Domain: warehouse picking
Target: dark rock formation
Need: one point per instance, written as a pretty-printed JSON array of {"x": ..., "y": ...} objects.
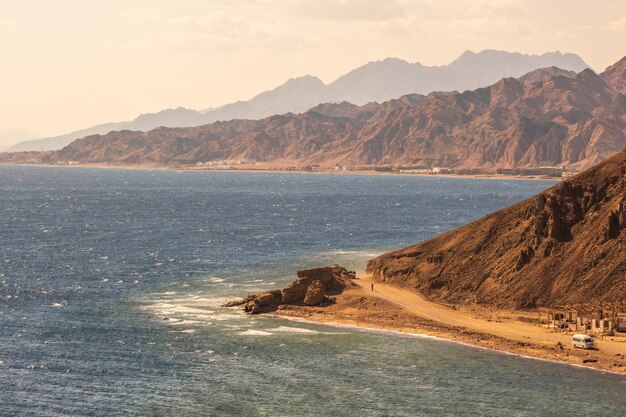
[
  {"x": 612, "y": 228},
  {"x": 621, "y": 212},
  {"x": 310, "y": 288}
]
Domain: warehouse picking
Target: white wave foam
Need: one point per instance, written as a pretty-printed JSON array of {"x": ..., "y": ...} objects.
[
  {"x": 255, "y": 333},
  {"x": 171, "y": 320},
  {"x": 216, "y": 279},
  {"x": 287, "y": 329},
  {"x": 183, "y": 322},
  {"x": 204, "y": 301},
  {"x": 216, "y": 302},
  {"x": 181, "y": 311},
  {"x": 225, "y": 317},
  {"x": 365, "y": 253}
]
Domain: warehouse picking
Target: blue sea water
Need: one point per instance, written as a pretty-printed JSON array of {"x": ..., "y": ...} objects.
[{"x": 111, "y": 283}]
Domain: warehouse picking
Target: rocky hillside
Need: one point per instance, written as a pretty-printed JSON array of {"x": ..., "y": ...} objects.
[
  {"x": 564, "y": 246},
  {"x": 556, "y": 120},
  {"x": 615, "y": 76},
  {"x": 374, "y": 81},
  {"x": 543, "y": 73}
]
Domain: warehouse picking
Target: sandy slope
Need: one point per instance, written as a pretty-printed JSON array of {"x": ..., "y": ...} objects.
[
  {"x": 415, "y": 303},
  {"x": 392, "y": 308}
]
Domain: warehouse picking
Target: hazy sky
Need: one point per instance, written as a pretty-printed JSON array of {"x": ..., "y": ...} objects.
[{"x": 69, "y": 64}]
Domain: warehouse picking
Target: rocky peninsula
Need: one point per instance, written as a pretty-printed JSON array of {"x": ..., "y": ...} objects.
[{"x": 485, "y": 283}]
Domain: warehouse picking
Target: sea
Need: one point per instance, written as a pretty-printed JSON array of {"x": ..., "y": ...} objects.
[{"x": 112, "y": 281}]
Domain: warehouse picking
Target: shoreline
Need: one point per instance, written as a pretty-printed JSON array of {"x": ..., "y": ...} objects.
[
  {"x": 284, "y": 171},
  {"x": 427, "y": 336},
  {"x": 506, "y": 332}
]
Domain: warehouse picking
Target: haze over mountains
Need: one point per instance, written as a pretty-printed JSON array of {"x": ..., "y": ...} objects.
[
  {"x": 375, "y": 81},
  {"x": 555, "y": 121},
  {"x": 10, "y": 137}
]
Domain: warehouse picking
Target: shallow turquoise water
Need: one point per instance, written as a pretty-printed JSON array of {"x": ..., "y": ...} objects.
[{"x": 111, "y": 281}]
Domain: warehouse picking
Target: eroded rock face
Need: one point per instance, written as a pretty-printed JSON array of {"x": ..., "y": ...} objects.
[
  {"x": 622, "y": 214},
  {"x": 315, "y": 293},
  {"x": 612, "y": 228},
  {"x": 564, "y": 246},
  {"x": 297, "y": 290},
  {"x": 310, "y": 288}
]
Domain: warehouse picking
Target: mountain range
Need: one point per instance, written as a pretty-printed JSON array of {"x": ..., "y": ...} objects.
[
  {"x": 374, "y": 82},
  {"x": 562, "y": 247},
  {"x": 549, "y": 120}
]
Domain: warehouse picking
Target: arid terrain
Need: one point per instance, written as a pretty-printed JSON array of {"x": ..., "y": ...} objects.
[
  {"x": 375, "y": 81},
  {"x": 564, "y": 246},
  {"x": 485, "y": 283},
  {"x": 546, "y": 118},
  {"x": 390, "y": 308},
  {"x": 336, "y": 296}
]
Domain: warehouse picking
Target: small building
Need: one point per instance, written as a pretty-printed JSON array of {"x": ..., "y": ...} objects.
[
  {"x": 507, "y": 171},
  {"x": 601, "y": 318},
  {"x": 414, "y": 171}
]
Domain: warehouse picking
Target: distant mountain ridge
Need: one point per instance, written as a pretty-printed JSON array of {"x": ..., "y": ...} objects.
[
  {"x": 556, "y": 121},
  {"x": 376, "y": 81}
]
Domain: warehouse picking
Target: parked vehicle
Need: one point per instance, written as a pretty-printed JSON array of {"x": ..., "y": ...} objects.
[{"x": 583, "y": 341}]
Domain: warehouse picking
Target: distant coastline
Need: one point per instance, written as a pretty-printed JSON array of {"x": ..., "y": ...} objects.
[{"x": 267, "y": 169}]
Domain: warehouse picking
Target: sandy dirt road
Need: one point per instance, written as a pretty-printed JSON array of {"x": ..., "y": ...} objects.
[{"x": 417, "y": 304}]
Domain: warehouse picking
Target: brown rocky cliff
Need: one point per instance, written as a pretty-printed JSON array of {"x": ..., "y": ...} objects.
[{"x": 566, "y": 245}]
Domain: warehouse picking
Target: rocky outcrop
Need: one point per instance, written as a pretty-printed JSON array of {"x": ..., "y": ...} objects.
[
  {"x": 314, "y": 293},
  {"x": 564, "y": 246},
  {"x": 263, "y": 302},
  {"x": 553, "y": 120},
  {"x": 311, "y": 288}
]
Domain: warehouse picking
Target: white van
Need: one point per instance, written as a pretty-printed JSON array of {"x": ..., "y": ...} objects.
[{"x": 583, "y": 341}]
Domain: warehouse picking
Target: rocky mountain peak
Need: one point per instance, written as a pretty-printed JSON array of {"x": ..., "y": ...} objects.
[{"x": 615, "y": 76}]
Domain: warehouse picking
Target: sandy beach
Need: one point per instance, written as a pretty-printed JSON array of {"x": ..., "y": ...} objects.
[{"x": 395, "y": 309}]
